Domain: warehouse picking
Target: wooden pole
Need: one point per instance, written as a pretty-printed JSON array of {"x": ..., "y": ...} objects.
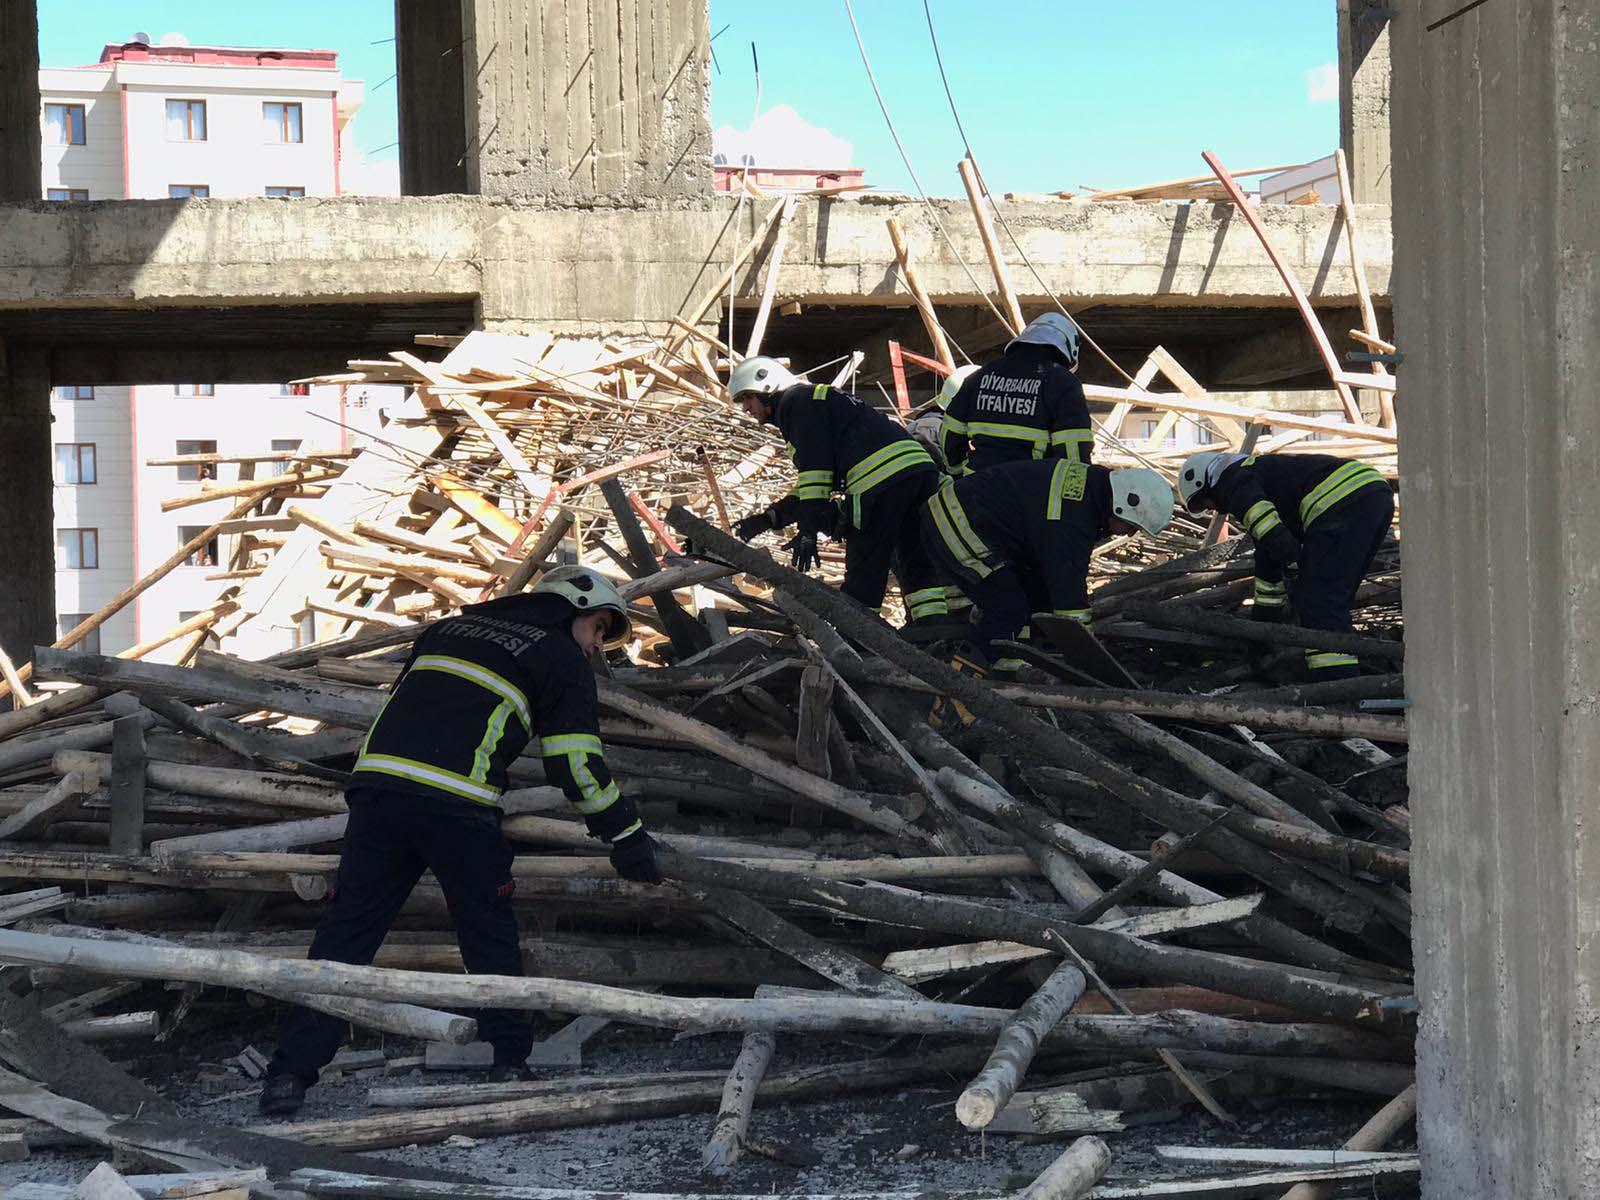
[
  {"x": 1385, "y": 1123},
  {"x": 991, "y": 245},
  {"x": 1018, "y": 1042},
  {"x": 770, "y": 288},
  {"x": 930, "y": 320},
  {"x": 1073, "y": 1175},
  {"x": 127, "y": 785},
  {"x": 1319, "y": 336},
  {"x": 726, "y": 1143}
]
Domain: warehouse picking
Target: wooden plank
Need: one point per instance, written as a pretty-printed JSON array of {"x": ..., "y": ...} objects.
[
  {"x": 1318, "y": 335},
  {"x": 816, "y": 719},
  {"x": 770, "y": 288},
  {"x": 908, "y": 272},
  {"x": 127, "y": 785},
  {"x": 991, "y": 245},
  {"x": 60, "y": 803},
  {"x": 1211, "y": 408}
]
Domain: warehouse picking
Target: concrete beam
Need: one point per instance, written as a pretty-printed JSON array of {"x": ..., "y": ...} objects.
[
  {"x": 27, "y": 544},
  {"x": 1498, "y": 274},
  {"x": 1364, "y": 86},
  {"x": 608, "y": 267},
  {"x": 430, "y": 78},
  {"x": 19, "y": 101}
]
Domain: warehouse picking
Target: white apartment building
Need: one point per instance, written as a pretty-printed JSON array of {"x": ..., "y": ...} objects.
[{"x": 181, "y": 123}]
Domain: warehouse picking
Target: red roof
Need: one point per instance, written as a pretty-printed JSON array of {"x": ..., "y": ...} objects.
[{"x": 220, "y": 56}]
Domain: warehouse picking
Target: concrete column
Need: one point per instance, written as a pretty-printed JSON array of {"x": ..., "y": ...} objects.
[
  {"x": 1497, "y": 308},
  {"x": 432, "y": 80},
  {"x": 27, "y": 543},
  {"x": 19, "y": 101},
  {"x": 576, "y": 99},
  {"x": 1364, "y": 95}
]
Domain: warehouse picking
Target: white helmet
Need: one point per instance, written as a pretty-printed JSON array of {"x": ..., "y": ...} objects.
[
  {"x": 760, "y": 374},
  {"x": 952, "y": 384},
  {"x": 1192, "y": 476},
  {"x": 586, "y": 590},
  {"x": 1055, "y": 330},
  {"x": 1142, "y": 496}
]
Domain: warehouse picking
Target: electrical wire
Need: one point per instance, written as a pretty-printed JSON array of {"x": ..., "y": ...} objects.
[
  {"x": 927, "y": 10},
  {"x": 910, "y": 170},
  {"x": 744, "y": 189}
]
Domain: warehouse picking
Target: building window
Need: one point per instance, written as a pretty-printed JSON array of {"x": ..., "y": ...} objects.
[
  {"x": 1203, "y": 436},
  {"x": 75, "y": 462},
  {"x": 204, "y": 555},
  {"x": 67, "y": 622},
  {"x": 186, "y": 120},
  {"x": 66, "y": 193},
  {"x": 188, "y": 191},
  {"x": 193, "y": 472},
  {"x": 72, "y": 391},
  {"x": 279, "y": 466},
  {"x": 282, "y": 122},
  {"x": 63, "y": 124},
  {"x": 285, "y": 193},
  {"x": 78, "y": 549},
  {"x": 194, "y": 389}
]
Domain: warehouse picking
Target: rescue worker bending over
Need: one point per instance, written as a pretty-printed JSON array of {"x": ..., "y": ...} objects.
[
  {"x": 1018, "y": 539},
  {"x": 839, "y": 444},
  {"x": 477, "y": 689},
  {"x": 1027, "y": 404},
  {"x": 1316, "y": 521}
]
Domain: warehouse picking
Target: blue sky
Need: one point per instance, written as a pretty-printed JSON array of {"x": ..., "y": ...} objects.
[{"x": 1054, "y": 94}]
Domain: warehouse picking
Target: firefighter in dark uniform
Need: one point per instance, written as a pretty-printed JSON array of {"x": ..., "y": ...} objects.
[
  {"x": 839, "y": 444},
  {"x": 1018, "y": 538},
  {"x": 1027, "y": 404},
  {"x": 1316, "y": 521},
  {"x": 475, "y": 692}
]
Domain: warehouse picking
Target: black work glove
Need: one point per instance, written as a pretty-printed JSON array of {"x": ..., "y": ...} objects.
[
  {"x": 1279, "y": 547},
  {"x": 634, "y": 857},
  {"x": 754, "y": 525},
  {"x": 803, "y": 549}
]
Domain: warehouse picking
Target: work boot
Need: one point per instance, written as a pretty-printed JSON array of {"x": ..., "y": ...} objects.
[
  {"x": 510, "y": 1073},
  {"x": 281, "y": 1096},
  {"x": 949, "y": 713}
]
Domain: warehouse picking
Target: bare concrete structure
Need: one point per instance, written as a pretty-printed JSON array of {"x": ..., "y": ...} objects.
[
  {"x": 1497, "y": 234},
  {"x": 1364, "y": 85}
]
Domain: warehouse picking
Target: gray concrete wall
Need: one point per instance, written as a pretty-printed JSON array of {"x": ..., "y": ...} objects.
[
  {"x": 1364, "y": 87},
  {"x": 605, "y": 268},
  {"x": 27, "y": 552},
  {"x": 584, "y": 98},
  {"x": 430, "y": 79},
  {"x": 1497, "y": 234},
  {"x": 19, "y": 100}
]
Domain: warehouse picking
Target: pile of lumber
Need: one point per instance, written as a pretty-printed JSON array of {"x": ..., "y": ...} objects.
[{"x": 1100, "y": 901}]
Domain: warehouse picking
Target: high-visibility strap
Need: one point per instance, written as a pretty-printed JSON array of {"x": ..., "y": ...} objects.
[
  {"x": 1068, "y": 481},
  {"x": 427, "y": 773},
  {"x": 1080, "y": 615},
  {"x": 951, "y": 425},
  {"x": 926, "y": 602},
  {"x": 1319, "y": 660},
  {"x": 1351, "y": 477},
  {"x": 1007, "y": 666},
  {"x": 1261, "y": 518},
  {"x": 820, "y": 392},
  {"x": 813, "y": 485},
  {"x": 1269, "y": 594},
  {"x": 483, "y": 677},
  {"x": 483, "y": 756},
  {"x": 1039, "y": 439},
  {"x": 950, "y": 519},
  {"x": 576, "y": 749},
  {"x": 884, "y": 464},
  {"x": 1068, "y": 437}
]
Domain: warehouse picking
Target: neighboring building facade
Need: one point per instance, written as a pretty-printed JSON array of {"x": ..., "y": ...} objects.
[{"x": 180, "y": 122}]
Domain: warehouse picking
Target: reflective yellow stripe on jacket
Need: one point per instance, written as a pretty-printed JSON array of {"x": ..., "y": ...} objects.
[
  {"x": 883, "y": 464},
  {"x": 576, "y": 749},
  {"x": 484, "y": 678},
  {"x": 1351, "y": 477},
  {"x": 950, "y": 519},
  {"x": 430, "y": 774}
]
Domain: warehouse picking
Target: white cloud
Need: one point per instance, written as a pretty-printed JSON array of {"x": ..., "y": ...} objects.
[
  {"x": 1322, "y": 84},
  {"x": 781, "y": 137}
]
